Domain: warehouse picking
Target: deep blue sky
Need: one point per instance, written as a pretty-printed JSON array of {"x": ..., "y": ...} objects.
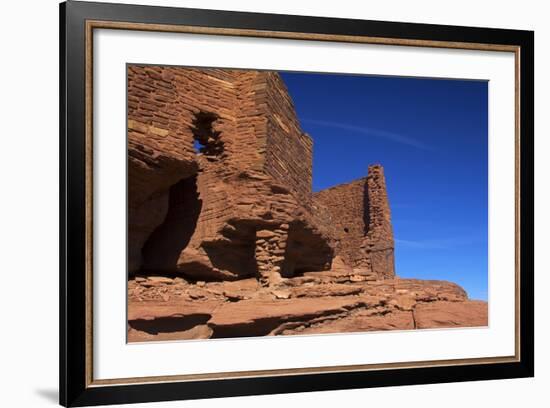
[{"x": 431, "y": 137}]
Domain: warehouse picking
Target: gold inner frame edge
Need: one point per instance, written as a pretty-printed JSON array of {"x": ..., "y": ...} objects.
[{"x": 92, "y": 24}]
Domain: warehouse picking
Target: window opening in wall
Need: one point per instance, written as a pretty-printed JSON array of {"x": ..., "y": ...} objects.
[{"x": 206, "y": 139}]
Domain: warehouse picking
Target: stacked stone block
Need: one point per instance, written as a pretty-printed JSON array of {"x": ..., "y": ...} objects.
[
  {"x": 361, "y": 215},
  {"x": 378, "y": 243}
]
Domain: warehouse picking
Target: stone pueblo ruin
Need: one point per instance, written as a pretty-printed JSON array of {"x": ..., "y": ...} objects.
[{"x": 226, "y": 237}]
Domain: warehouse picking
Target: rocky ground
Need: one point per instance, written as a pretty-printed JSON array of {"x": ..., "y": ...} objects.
[{"x": 162, "y": 308}]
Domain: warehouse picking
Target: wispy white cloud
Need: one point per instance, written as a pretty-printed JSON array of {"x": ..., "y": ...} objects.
[
  {"x": 404, "y": 205},
  {"x": 394, "y": 137},
  {"x": 422, "y": 244},
  {"x": 440, "y": 243}
]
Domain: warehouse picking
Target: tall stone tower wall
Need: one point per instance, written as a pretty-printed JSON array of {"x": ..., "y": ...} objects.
[
  {"x": 361, "y": 215},
  {"x": 347, "y": 205},
  {"x": 289, "y": 150},
  {"x": 379, "y": 243},
  {"x": 167, "y": 107}
]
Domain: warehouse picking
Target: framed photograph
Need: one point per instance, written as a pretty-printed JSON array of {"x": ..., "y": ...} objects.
[{"x": 256, "y": 204}]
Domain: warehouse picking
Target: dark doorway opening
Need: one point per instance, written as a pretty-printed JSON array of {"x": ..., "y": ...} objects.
[{"x": 164, "y": 246}]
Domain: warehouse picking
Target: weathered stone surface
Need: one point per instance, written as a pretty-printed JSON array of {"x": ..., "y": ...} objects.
[
  {"x": 451, "y": 314},
  {"x": 334, "y": 289},
  {"x": 365, "y": 320},
  {"x": 183, "y": 310},
  {"x": 360, "y": 214}
]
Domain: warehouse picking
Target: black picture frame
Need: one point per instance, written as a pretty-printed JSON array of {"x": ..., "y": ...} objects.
[{"x": 76, "y": 389}]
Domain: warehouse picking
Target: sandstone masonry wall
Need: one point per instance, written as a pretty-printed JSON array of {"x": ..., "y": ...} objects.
[
  {"x": 220, "y": 177},
  {"x": 163, "y": 104},
  {"x": 361, "y": 213},
  {"x": 379, "y": 243},
  {"x": 289, "y": 150},
  {"x": 348, "y": 208}
]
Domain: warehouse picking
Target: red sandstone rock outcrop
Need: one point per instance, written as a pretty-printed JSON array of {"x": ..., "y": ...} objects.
[
  {"x": 325, "y": 302},
  {"x": 226, "y": 238}
]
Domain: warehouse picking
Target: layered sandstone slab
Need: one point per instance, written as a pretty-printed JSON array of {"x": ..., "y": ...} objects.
[
  {"x": 451, "y": 314},
  {"x": 176, "y": 309}
]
